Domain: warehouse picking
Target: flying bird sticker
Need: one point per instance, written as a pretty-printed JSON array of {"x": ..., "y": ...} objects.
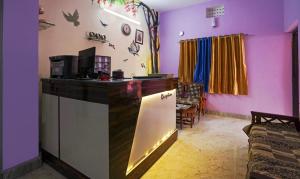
[
  {"x": 112, "y": 46},
  {"x": 143, "y": 65},
  {"x": 72, "y": 18},
  {"x": 134, "y": 49},
  {"x": 103, "y": 24}
]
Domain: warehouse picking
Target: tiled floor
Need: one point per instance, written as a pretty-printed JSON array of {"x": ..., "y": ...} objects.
[
  {"x": 215, "y": 148},
  {"x": 45, "y": 172}
]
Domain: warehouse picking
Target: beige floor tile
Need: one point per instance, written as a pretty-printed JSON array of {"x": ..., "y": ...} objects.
[{"x": 215, "y": 148}]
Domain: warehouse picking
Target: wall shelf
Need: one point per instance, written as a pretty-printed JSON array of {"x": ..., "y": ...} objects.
[{"x": 97, "y": 39}]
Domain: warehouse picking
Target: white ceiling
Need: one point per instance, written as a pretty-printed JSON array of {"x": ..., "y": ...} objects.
[{"x": 165, "y": 5}]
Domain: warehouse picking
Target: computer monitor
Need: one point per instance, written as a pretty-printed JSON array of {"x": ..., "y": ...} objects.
[{"x": 86, "y": 62}]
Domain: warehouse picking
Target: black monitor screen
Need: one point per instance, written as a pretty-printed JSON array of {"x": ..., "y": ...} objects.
[{"x": 86, "y": 62}]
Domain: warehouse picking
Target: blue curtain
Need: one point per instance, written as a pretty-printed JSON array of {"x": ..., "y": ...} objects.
[{"x": 202, "y": 70}]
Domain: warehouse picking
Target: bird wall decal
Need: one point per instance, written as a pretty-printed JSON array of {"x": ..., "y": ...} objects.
[
  {"x": 112, "y": 46},
  {"x": 72, "y": 18},
  {"x": 134, "y": 48},
  {"x": 103, "y": 24}
]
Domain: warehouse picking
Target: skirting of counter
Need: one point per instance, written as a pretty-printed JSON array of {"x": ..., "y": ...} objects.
[{"x": 137, "y": 132}]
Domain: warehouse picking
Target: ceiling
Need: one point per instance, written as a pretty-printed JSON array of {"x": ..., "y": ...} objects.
[{"x": 165, "y": 5}]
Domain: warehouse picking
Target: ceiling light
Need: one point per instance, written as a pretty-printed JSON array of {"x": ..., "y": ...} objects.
[{"x": 122, "y": 16}]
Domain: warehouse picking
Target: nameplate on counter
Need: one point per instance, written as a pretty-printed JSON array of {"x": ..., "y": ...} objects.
[{"x": 165, "y": 96}]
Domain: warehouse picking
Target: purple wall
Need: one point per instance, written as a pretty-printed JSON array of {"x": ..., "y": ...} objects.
[
  {"x": 269, "y": 78},
  {"x": 268, "y": 50},
  {"x": 291, "y": 14},
  {"x": 20, "y": 82}
]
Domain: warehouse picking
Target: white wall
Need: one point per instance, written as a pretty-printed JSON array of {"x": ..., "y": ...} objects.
[{"x": 66, "y": 39}]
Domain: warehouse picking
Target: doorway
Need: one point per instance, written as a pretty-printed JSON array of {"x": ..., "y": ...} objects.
[{"x": 295, "y": 73}]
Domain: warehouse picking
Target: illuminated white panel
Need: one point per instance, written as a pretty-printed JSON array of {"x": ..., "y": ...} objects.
[{"x": 156, "y": 122}]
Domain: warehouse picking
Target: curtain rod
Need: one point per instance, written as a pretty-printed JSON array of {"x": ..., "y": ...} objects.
[{"x": 213, "y": 36}]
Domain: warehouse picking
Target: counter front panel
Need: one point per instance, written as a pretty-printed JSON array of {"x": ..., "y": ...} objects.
[{"x": 136, "y": 109}]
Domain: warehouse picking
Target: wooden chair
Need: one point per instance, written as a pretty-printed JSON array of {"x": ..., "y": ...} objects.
[
  {"x": 192, "y": 94},
  {"x": 185, "y": 115},
  {"x": 203, "y": 104}
]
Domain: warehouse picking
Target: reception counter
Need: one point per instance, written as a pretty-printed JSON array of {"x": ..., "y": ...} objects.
[{"x": 112, "y": 129}]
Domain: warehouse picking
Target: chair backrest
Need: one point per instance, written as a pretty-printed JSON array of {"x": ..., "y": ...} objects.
[
  {"x": 195, "y": 90},
  {"x": 181, "y": 90}
]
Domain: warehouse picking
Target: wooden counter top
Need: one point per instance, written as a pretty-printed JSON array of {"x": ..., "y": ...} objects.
[{"x": 106, "y": 92}]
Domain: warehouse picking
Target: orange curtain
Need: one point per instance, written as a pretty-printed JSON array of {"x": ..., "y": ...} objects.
[
  {"x": 187, "y": 61},
  {"x": 228, "y": 73}
]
